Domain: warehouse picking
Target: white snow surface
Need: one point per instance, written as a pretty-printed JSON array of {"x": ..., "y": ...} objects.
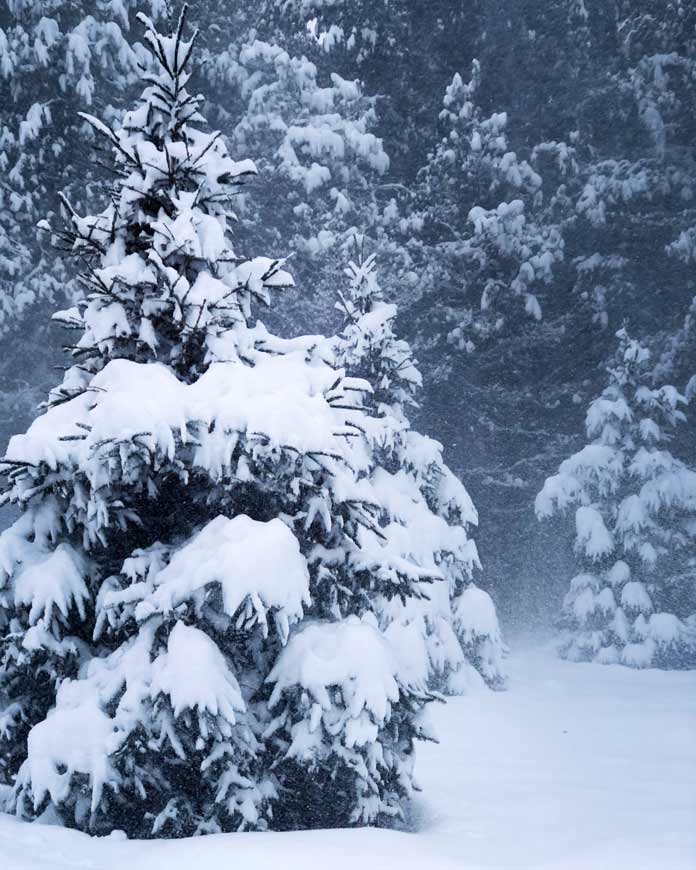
[
  {"x": 193, "y": 673},
  {"x": 351, "y": 654},
  {"x": 281, "y": 397},
  {"x": 250, "y": 559},
  {"x": 575, "y": 767}
]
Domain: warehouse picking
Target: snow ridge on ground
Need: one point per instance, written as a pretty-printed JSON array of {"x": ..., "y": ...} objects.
[{"x": 576, "y": 767}]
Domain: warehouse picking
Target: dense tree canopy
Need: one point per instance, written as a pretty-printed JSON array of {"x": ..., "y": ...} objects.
[{"x": 556, "y": 183}]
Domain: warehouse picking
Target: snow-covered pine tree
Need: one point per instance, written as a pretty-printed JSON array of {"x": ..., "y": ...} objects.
[
  {"x": 634, "y": 599},
  {"x": 313, "y": 136},
  {"x": 484, "y": 211},
  {"x": 56, "y": 57},
  {"x": 189, "y": 600},
  {"x": 86, "y": 50},
  {"x": 635, "y": 205},
  {"x": 678, "y": 354},
  {"x": 451, "y": 634}
]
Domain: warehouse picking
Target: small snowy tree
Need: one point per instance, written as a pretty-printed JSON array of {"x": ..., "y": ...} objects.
[
  {"x": 633, "y": 600},
  {"x": 451, "y": 632},
  {"x": 189, "y": 601}
]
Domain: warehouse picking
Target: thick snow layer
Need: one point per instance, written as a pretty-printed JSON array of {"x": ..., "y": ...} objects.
[
  {"x": 474, "y": 614},
  {"x": 251, "y": 560},
  {"x": 193, "y": 672},
  {"x": 593, "y": 537},
  {"x": 70, "y": 741},
  {"x": 56, "y": 581},
  {"x": 576, "y": 767},
  {"x": 34, "y": 847},
  {"x": 280, "y": 397},
  {"x": 352, "y": 655}
]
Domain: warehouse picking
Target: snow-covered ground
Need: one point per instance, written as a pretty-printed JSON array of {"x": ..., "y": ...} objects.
[{"x": 576, "y": 767}]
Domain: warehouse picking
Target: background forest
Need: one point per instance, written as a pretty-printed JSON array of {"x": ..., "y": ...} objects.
[{"x": 524, "y": 171}]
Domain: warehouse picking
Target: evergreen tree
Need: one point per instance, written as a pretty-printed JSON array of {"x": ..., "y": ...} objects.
[
  {"x": 678, "y": 357},
  {"x": 313, "y": 134},
  {"x": 191, "y": 597},
  {"x": 56, "y": 57},
  {"x": 382, "y": 43},
  {"x": 454, "y": 623},
  {"x": 484, "y": 213},
  {"x": 634, "y": 600},
  {"x": 635, "y": 205}
]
